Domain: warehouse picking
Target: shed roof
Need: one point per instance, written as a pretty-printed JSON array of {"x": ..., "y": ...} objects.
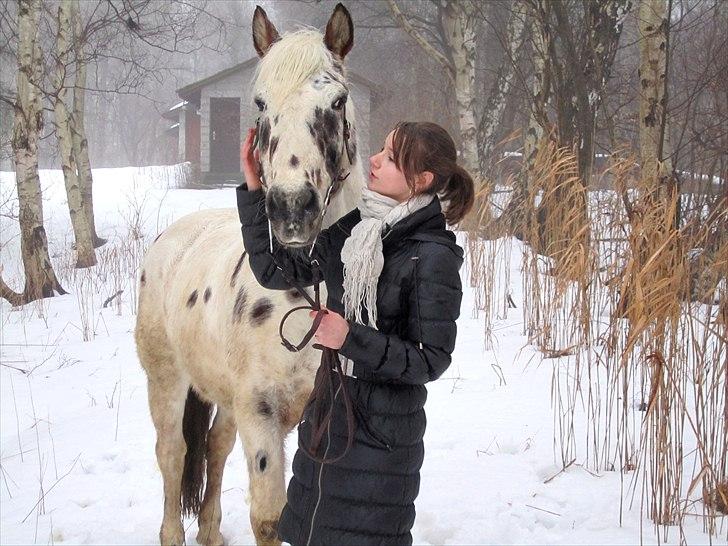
[{"x": 191, "y": 92}]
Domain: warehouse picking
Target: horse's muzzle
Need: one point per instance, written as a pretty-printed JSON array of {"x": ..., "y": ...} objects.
[{"x": 293, "y": 215}]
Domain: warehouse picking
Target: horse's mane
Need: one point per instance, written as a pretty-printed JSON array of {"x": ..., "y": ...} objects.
[{"x": 290, "y": 62}]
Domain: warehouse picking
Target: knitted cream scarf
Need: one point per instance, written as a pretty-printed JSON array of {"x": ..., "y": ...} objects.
[{"x": 362, "y": 251}]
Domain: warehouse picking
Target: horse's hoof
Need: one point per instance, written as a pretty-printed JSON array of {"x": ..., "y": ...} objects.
[
  {"x": 174, "y": 536},
  {"x": 210, "y": 538},
  {"x": 266, "y": 533}
]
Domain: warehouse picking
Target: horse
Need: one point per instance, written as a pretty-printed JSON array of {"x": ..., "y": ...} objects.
[{"x": 207, "y": 332}]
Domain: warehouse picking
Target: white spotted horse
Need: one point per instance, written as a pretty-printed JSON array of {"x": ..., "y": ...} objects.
[{"x": 207, "y": 333}]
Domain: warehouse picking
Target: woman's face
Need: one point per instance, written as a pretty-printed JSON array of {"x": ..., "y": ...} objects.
[{"x": 384, "y": 176}]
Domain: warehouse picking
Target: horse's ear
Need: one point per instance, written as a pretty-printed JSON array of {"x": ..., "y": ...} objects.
[
  {"x": 264, "y": 32},
  {"x": 339, "y": 35}
]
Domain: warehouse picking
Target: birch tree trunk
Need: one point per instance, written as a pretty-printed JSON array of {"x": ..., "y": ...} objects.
[
  {"x": 40, "y": 278},
  {"x": 80, "y": 143},
  {"x": 537, "y": 119},
  {"x": 85, "y": 255},
  {"x": 459, "y": 24},
  {"x": 497, "y": 98},
  {"x": 654, "y": 138},
  {"x": 581, "y": 65}
]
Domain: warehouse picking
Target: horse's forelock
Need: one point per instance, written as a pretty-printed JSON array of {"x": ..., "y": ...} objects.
[{"x": 290, "y": 62}]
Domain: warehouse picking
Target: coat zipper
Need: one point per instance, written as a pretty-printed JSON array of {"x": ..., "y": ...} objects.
[
  {"x": 321, "y": 472},
  {"x": 416, "y": 259}
]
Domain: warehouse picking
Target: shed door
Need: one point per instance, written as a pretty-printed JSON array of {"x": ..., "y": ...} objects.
[{"x": 225, "y": 135}]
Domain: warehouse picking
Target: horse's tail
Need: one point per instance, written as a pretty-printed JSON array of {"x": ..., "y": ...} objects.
[{"x": 195, "y": 426}]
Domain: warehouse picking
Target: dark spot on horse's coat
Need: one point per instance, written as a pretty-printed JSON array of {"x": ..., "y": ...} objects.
[
  {"x": 293, "y": 295},
  {"x": 207, "y": 294},
  {"x": 331, "y": 156},
  {"x": 264, "y": 135},
  {"x": 237, "y": 269},
  {"x": 261, "y": 460},
  {"x": 192, "y": 300},
  {"x": 264, "y": 407},
  {"x": 294, "y": 161},
  {"x": 143, "y": 279},
  {"x": 239, "y": 306},
  {"x": 325, "y": 129},
  {"x": 262, "y": 310},
  {"x": 284, "y": 415},
  {"x": 273, "y": 147},
  {"x": 331, "y": 124},
  {"x": 275, "y": 120}
]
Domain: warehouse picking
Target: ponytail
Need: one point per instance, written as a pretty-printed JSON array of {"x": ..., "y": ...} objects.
[{"x": 458, "y": 195}]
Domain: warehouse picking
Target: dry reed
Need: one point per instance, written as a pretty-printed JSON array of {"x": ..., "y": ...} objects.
[{"x": 625, "y": 291}]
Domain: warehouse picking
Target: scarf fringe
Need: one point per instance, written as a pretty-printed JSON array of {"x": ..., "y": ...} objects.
[{"x": 362, "y": 253}]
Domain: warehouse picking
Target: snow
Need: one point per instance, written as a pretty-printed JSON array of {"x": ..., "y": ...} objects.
[
  {"x": 76, "y": 432},
  {"x": 178, "y": 105}
]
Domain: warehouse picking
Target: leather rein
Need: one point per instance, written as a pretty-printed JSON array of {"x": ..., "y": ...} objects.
[{"x": 323, "y": 394}]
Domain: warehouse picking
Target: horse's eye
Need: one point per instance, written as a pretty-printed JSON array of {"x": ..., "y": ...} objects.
[
  {"x": 260, "y": 103},
  {"x": 339, "y": 103}
]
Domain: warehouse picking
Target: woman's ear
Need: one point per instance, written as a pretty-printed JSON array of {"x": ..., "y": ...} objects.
[{"x": 424, "y": 181}]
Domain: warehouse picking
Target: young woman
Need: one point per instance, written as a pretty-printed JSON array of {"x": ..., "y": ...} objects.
[{"x": 391, "y": 271}]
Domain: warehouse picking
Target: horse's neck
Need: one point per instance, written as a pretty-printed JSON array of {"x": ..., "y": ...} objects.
[{"x": 348, "y": 198}]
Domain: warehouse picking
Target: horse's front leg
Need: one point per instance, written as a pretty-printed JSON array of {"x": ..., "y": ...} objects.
[{"x": 262, "y": 435}]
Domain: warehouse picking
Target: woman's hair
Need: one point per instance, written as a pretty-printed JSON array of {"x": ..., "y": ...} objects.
[{"x": 423, "y": 146}]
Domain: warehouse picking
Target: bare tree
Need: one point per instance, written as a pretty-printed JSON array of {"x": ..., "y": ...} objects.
[
  {"x": 584, "y": 39},
  {"x": 40, "y": 278},
  {"x": 456, "y": 54},
  {"x": 65, "y": 45},
  {"x": 654, "y": 137},
  {"x": 78, "y": 127},
  {"x": 495, "y": 105}
]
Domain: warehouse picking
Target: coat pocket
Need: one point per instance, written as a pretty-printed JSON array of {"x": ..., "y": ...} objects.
[{"x": 370, "y": 432}]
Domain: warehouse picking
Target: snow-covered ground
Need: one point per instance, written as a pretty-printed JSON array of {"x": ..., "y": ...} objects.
[{"x": 77, "y": 463}]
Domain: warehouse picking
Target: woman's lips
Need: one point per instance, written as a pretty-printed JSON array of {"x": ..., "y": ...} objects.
[{"x": 371, "y": 176}]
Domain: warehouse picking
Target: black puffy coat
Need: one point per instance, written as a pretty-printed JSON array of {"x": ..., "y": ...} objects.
[{"x": 368, "y": 496}]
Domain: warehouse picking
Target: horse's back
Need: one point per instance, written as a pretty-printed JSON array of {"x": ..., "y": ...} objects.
[{"x": 186, "y": 285}]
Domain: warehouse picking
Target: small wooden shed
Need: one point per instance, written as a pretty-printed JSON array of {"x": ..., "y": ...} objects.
[{"x": 214, "y": 113}]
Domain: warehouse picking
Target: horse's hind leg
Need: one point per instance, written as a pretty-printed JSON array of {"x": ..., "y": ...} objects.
[
  {"x": 167, "y": 396},
  {"x": 220, "y": 443}
]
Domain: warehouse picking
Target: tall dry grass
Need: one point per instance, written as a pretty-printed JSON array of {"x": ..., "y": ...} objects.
[{"x": 624, "y": 290}]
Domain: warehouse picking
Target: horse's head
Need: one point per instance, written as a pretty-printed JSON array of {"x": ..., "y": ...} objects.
[{"x": 305, "y": 131}]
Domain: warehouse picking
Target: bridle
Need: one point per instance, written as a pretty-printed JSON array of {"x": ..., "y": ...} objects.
[
  {"x": 322, "y": 395},
  {"x": 336, "y": 181}
]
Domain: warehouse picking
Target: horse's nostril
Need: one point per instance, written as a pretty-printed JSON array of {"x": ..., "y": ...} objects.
[
  {"x": 311, "y": 198},
  {"x": 305, "y": 199}
]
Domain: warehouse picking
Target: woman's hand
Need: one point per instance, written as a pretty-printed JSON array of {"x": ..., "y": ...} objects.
[
  {"x": 249, "y": 160},
  {"x": 332, "y": 329}
]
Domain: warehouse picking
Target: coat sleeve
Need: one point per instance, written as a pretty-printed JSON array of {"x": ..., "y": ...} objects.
[
  {"x": 424, "y": 352},
  {"x": 254, "y": 227}
]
